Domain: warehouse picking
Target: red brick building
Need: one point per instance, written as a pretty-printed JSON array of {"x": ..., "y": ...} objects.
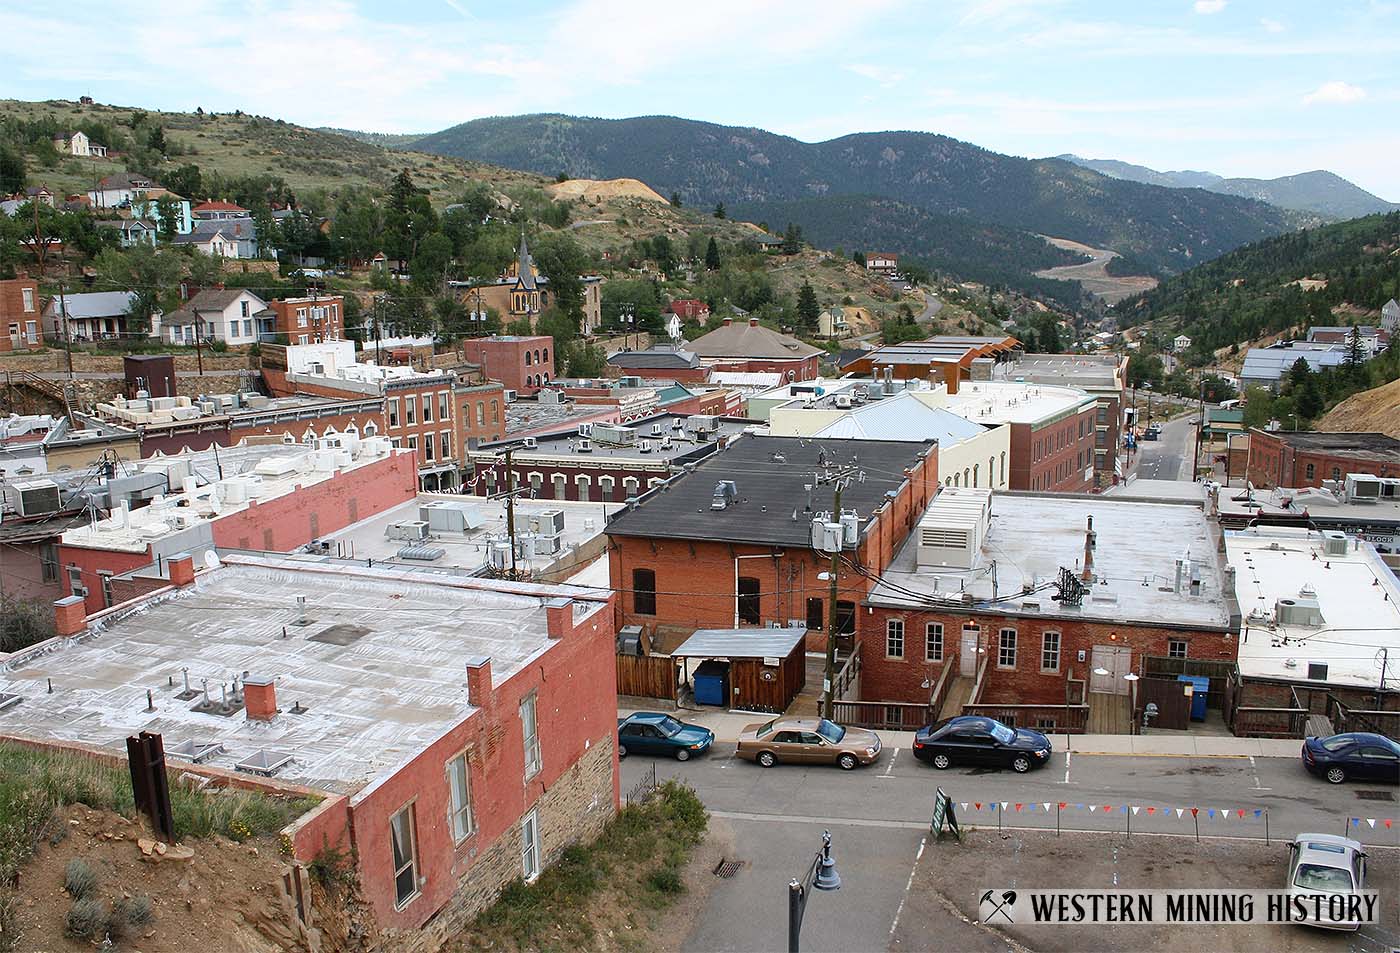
[
  {"x": 979, "y": 595},
  {"x": 521, "y": 363},
  {"x": 507, "y": 757},
  {"x": 1295, "y": 459},
  {"x": 277, "y": 508},
  {"x": 1054, "y": 431},
  {"x": 690, "y": 309},
  {"x": 311, "y": 320},
  {"x": 749, "y": 346},
  {"x": 729, "y": 544},
  {"x": 21, "y": 315}
]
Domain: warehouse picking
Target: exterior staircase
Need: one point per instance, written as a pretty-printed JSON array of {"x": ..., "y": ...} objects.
[
  {"x": 1109, "y": 714},
  {"x": 959, "y": 694}
]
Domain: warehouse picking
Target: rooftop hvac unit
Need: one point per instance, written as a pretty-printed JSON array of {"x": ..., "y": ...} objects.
[
  {"x": 548, "y": 396},
  {"x": 1302, "y": 609},
  {"x": 584, "y": 445},
  {"x": 702, "y": 423},
  {"x": 1362, "y": 488},
  {"x": 422, "y": 554},
  {"x": 1390, "y": 488},
  {"x": 531, "y": 443},
  {"x": 585, "y": 430},
  {"x": 656, "y": 428},
  {"x": 614, "y": 434},
  {"x": 511, "y": 396},
  {"x": 33, "y": 497},
  {"x": 1334, "y": 543},
  {"x": 547, "y": 522},
  {"x": 452, "y": 516},
  {"x": 843, "y": 401},
  {"x": 645, "y": 446},
  {"x": 408, "y": 530},
  {"x": 629, "y": 382},
  {"x": 726, "y": 494},
  {"x": 629, "y": 640}
]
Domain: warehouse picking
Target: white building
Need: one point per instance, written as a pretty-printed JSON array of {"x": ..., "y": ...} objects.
[
  {"x": 229, "y": 315},
  {"x": 78, "y": 144},
  {"x": 213, "y": 243},
  {"x": 1180, "y": 343}
]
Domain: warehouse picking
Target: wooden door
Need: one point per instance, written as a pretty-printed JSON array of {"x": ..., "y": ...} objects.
[
  {"x": 967, "y": 652},
  {"x": 1115, "y": 661}
]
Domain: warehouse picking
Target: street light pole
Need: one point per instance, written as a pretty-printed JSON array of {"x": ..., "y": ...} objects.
[{"x": 822, "y": 875}]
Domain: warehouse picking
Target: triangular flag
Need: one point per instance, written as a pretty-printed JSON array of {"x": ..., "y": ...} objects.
[
  {"x": 1387, "y": 823},
  {"x": 1030, "y": 806},
  {"x": 963, "y": 805},
  {"x": 1371, "y": 821},
  {"x": 1240, "y": 812},
  {"x": 1210, "y": 812},
  {"x": 979, "y": 804},
  {"x": 1003, "y": 805},
  {"x": 1224, "y": 813},
  {"x": 1046, "y": 805},
  {"x": 1180, "y": 811},
  {"x": 1136, "y": 809},
  {"x": 1091, "y": 808},
  {"x": 1355, "y": 822},
  {"x": 1107, "y": 808},
  {"x": 1063, "y": 805},
  {"x": 1151, "y": 810},
  {"x": 1018, "y": 807},
  {"x": 1124, "y": 809},
  {"x": 1079, "y": 807},
  {"x": 1257, "y": 812}
]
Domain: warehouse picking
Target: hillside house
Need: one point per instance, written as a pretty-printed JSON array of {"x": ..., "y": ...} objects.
[
  {"x": 215, "y": 243},
  {"x": 78, "y": 144},
  {"x": 215, "y": 314},
  {"x": 749, "y": 346},
  {"x": 690, "y": 309},
  {"x": 1390, "y": 317},
  {"x": 1180, "y": 343},
  {"x": 130, "y": 232},
  {"x": 883, "y": 263},
  {"x": 220, "y": 211},
  {"x": 119, "y": 189},
  {"x": 148, "y": 205},
  {"x": 97, "y": 316},
  {"x": 19, "y": 314}
]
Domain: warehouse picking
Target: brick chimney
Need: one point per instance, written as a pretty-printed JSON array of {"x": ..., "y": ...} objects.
[
  {"x": 479, "y": 681},
  {"x": 259, "y": 698},
  {"x": 728, "y": 322},
  {"x": 1090, "y": 541},
  {"x": 69, "y": 615},
  {"x": 753, "y": 322},
  {"x": 559, "y": 614},
  {"x": 181, "y": 569},
  {"x": 952, "y": 375}
]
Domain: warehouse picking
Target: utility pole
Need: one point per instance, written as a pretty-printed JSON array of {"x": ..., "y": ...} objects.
[
  {"x": 838, "y": 479},
  {"x": 63, "y": 312},
  {"x": 1200, "y": 426},
  {"x": 507, "y": 451}
]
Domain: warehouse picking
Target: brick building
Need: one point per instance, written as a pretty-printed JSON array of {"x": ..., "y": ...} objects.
[
  {"x": 729, "y": 544},
  {"x": 1054, "y": 431},
  {"x": 690, "y": 309},
  {"x": 979, "y": 594},
  {"x": 282, "y": 503},
  {"x": 21, "y": 315},
  {"x": 663, "y": 362},
  {"x": 1104, "y": 376},
  {"x": 311, "y": 320},
  {"x": 520, "y": 363},
  {"x": 505, "y": 756},
  {"x": 749, "y": 346},
  {"x": 600, "y": 462},
  {"x": 1302, "y": 458},
  {"x": 522, "y": 292}
]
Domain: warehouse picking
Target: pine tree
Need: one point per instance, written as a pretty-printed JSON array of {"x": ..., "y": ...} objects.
[
  {"x": 712, "y": 261},
  {"x": 808, "y": 310},
  {"x": 719, "y": 210},
  {"x": 675, "y": 200}
]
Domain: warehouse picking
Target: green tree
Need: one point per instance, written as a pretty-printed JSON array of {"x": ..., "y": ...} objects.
[
  {"x": 792, "y": 239},
  {"x": 858, "y": 257},
  {"x": 663, "y": 253},
  {"x": 1048, "y": 335},
  {"x": 168, "y": 214},
  {"x": 808, "y": 310},
  {"x": 675, "y": 200},
  {"x": 719, "y": 210},
  {"x": 432, "y": 263},
  {"x": 23, "y": 624},
  {"x": 186, "y": 181},
  {"x": 156, "y": 140},
  {"x": 712, "y": 259},
  {"x": 1144, "y": 369},
  {"x": 12, "y": 170},
  {"x": 563, "y": 261},
  {"x": 582, "y": 359}
]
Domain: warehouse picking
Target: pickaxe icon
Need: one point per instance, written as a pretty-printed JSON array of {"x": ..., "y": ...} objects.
[{"x": 1008, "y": 897}]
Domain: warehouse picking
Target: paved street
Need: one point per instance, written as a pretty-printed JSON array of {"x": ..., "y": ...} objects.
[
  {"x": 879, "y": 815},
  {"x": 1168, "y": 457}
]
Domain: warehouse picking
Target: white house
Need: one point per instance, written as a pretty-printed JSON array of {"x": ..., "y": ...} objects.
[
  {"x": 78, "y": 144},
  {"x": 1390, "y": 317},
  {"x": 119, "y": 189},
  {"x": 1180, "y": 343},
  {"x": 213, "y": 243},
  {"x": 96, "y": 316},
  {"x": 229, "y": 315},
  {"x": 831, "y": 323}
]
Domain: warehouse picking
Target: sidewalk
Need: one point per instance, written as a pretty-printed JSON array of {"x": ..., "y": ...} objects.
[{"x": 727, "y": 724}]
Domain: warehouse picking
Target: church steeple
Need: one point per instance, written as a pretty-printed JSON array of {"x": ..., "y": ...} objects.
[{"x": 525, "y": 265}]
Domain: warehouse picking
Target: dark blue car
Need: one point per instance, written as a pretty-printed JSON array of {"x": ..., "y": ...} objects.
[
  {"x": 1357, "y": 755},
  {"x": 651, "y": 732}
]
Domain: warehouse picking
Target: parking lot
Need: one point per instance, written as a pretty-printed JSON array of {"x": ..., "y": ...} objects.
[{"x": 893, "y": 899}]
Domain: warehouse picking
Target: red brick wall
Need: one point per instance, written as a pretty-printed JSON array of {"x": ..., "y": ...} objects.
[
  {"x": 1273, "y": 462},
  {"x": 12, "y": 311},
  {"x": 1054, "y": 457},
  {"x": 886, "y": 679},
  {"x": 398, "y": 427},
  {"x": 331, "y": 328},
  {"x": 504, "y": 360},
  {"x": 803, "y": 370},
  {"x": 92, "y": 562},
  {"x": 575, "y": 683}
]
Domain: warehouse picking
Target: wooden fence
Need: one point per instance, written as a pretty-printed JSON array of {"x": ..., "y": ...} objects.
[
  {"x": 1346, "y": 718},
  {"x": 647, "y": 676},
  {"x": 1173, "y": 705},
  {"x": 1052, "y": 718},
  {"x": 887, "y": 716},
  {"x": 1216, "y": 670}
]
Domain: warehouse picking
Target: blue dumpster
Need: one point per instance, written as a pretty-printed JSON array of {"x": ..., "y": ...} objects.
[
  {"x": 712, "y": 683},
  {"x": 1200, "y": 684}
]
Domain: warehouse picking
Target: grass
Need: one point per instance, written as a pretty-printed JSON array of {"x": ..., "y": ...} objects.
[
  {"x": 36, "y": 784},
  {"x": 637, "y": 860}
]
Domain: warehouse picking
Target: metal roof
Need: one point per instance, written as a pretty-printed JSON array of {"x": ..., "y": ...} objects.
[
  {"x": 903, "y": 417},
  {"x": 740, "y": 643}
]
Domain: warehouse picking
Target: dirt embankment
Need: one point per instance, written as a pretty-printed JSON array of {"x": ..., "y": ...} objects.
[
  {"x": 597, "y": 190},
  {"x": 1372, "y": 411},
  {"x": 1093, "y": 274}
]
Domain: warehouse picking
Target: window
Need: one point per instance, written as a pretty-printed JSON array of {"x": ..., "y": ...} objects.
[
  {"x": 410, "y": 410},
  {"x": 629, "y": 487},
  {"x": 1006, "y": 649},
  {"x": 243, "y": 309},
  {"x": 976, "y": 473},
  {"x": 582, "y": 484},
  {"x": 748, "y": 604},
  {"x": 933, "y": 642},
  {"x": 1336, "y": 473},
  {"x": 1003, "y": 468},
  {"x": 1050, "y": 652},
  {"x": 495, "y": 412},
  {"x": 536, "y": 481},
  {"x": 427, "y": 408},
  {"x": 413, "y": 442},
  {"x": 28, "y": 294},
  {"x": 560, "y": 486},
  {"x": 530, "y": 729},
  {"x": 1176, "y": 648},
  {"x": 894, "y": 638},
  {"x": 248, "y": 328},
  {"x": 48, "y": 560},
  {"x": 303, "y": 339},
  {"x": 605, "y": 489},
  {"x": 446, "y": 437},
  {"x": 301, "y": 317},
  {"x": 233, "y": 329},
  {"x": 107, "y": 597},
  {"x": 816, "y": 610},
  {"x": 1311, "y": 471},
  {"x": 404, "y": 836},
  {"x": 444, "y": 405},
  {"x": 845, "y": 618},
  {"x": 530, "y": 845},
  {"x": 644, "y": 591},
  {"x": 393, "y": 411},
  {"x": 460, "y": 792},
  {"x": 529, "y": 358},
  {"x": 481, "y": 413}
]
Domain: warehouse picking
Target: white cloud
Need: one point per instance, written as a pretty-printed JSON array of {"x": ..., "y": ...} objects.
[
  {"x": 1207, "y": 7},
  {"x": 876, "y": 74},
  {"x": 1335, "y": 92},
  {"x": 1271, "y": 26}
]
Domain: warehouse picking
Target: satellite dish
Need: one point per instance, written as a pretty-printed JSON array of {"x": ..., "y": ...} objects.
[{"x": 211, "y": 559}]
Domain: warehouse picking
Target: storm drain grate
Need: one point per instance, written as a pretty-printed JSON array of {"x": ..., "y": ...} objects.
[
  {"x": 1375, "y": 795},
  {"x": 728, "y": 868}
]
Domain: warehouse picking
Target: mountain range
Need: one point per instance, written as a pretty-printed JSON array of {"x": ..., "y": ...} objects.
[
  {"x": 1165, "y": 229},
  {"x": 1320, "y": 192}
]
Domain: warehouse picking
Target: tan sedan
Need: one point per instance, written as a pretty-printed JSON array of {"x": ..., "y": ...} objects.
[{"x": 807, "y": 741}]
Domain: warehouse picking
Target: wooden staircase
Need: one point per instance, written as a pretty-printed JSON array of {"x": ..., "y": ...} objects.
[
  {"x": 1110, "y": 714},
  {"x": 959, "y": 694}
]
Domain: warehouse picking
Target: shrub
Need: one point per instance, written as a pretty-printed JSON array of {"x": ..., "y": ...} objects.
[
  {"x": 665, "y": 880},
  {"x": 79, "y": 879},
  {"x": 127, "y": 914},
  {"x": 86, "y": 918}
]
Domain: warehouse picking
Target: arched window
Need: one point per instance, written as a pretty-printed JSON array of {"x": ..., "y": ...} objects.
[
  {"x": 976, "y": 473},
  {"x": 537, "y": 358},
  {"x": 529, "y": 357},
  {"x": 545, "y": 358},
  {"x": 967, "y": 477},
  {"x": 947, "y": 481},
  {"x": 1003, "y": 468},
  {"x": 495, "y": 412},
  {"x": 957, "y": 479},
  {"x": 991, "y": 471}
]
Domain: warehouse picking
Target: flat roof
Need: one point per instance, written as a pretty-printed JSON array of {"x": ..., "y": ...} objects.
[
  {"x": 1097, "y": 371},
  {"x": 1306, "y": 503},
  {"x": 740, "y": 643},
  {"x": 379, "y": 668},
  {"x": 1357, "y": 594},
  {"x": 466, "y": 551},
  {"x": 1369, "y": 446},
  {"x": 679, "y": 442},
  {"x": 1011, "y": 402},
  {"x": 534, "y": 415},
  {"x": 770, "y": 475},
  {"x": 1033, "y": 535}
]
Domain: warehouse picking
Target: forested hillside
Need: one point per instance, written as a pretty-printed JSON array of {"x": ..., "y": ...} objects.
[{"x": 1283, "y": 282}]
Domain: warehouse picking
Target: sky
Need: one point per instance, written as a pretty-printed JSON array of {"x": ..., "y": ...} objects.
[{"x": 1238, "y": 88}]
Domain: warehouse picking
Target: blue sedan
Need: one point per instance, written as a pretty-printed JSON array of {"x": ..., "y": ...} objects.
[
  {"x": 1357, "y": 755},
  {"x": 650, "y": 732}
]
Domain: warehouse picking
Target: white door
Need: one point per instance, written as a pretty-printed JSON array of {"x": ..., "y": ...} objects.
[
  {"x": 1115, "y": 661},
  {"x": 967, "y": 652}
]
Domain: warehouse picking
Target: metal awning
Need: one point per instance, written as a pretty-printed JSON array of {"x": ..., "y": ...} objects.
[{"x": 740, "y": 643}]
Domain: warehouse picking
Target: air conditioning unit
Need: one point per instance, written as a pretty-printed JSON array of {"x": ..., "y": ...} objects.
[
  {"x": 585, "y": 430},
  {"x": 33, "y": 497},
  {"x": 531, "y": 443},
  {"x": 1302, "y": 609},
  {"x": 584, "y": 446},
  {"x": 1362, "y": 488},
  {"x": 702, "y": 423},
  {"x": 843, "y": 401},
  {"x": 547, "y": 522},
  {"x": 614, "y": 434},
  {"x": 511, "y": 396},
  {"x": 407, "y": 530},
  {"x": 1334, "y": 543}
]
